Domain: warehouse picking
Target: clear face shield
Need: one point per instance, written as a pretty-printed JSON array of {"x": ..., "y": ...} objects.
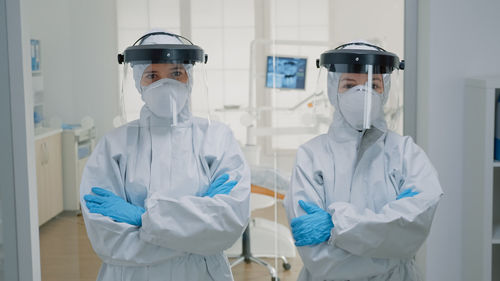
[
  {"x": 159, "y": 76},
  {"x": 163, "y": 86},
  {"x": 359, "y": 81}
]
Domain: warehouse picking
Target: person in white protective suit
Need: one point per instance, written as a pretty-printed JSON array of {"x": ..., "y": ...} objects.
[
  {"x": 164, "y": 195},
  {"x": 362, "y": 198}
]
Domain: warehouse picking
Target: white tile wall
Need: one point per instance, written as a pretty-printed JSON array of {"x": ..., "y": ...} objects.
[
  {"x": 164, "y": 14},
  {"x": 135, "y": 18},
  {"x": 238, "y": 13},
  {"x": 286, "y": 12},
  {"x": 216, "y": 88},
  {"x": 304, "y": 21},
  {"x": 285, "y": 32},
  {"x": 225, "y": 29},
  {"x": 132, "y": 14},
  {"x": 285, "y": 50},
  {"x": 199, "y": 95},
  {"x": 211, "y": 40},
  {"x": 127, "y": 37},
  {"x": 313, "y": 33},
  {"x": 232, "y": 119},
  {"x": 236, "y": 87},
  {"x": 313, "y": 13},
  {"x": 369, "y": 26},
  {"x": 237, "y": 47},
  {"x": 207, "y": 13}
]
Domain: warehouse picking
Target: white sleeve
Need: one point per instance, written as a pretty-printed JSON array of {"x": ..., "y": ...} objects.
[
  {"x": 325, "y": 260},
  {"x": 401, "y": 227},
  {"x": 203, "y": 225},
  {"x": 114, "y": 242}
]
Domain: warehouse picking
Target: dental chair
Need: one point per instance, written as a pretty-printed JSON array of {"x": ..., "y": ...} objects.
[{"x": 263, "y": 230}]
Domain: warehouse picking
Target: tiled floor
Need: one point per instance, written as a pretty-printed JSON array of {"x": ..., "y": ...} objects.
[{"x": 66, "y": 253}]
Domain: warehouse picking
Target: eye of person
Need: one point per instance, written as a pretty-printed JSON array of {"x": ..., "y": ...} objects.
[
  {"x": 348, "y": 85},
  {"x": 150, "y": 76},
  {"x": 177, "y": 73},
  {"x": 377, "y": 87}
]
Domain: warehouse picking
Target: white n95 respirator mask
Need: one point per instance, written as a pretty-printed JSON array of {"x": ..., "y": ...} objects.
[
  {"x": 165, "y": 97},
  {"x": 352, "y": 106}
]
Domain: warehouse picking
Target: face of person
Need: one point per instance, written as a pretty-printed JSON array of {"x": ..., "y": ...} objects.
[
  {"x": 349, "y": 80},
  {"x": 157, "y": 71}
]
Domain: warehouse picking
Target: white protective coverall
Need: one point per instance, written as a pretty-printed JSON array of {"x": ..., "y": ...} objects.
[
  {"x": 356, "y": 177},
  {"x": 165, "y": 169}
]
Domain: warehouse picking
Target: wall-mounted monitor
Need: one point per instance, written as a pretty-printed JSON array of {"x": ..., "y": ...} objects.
[{"x": 286, "y": 72}]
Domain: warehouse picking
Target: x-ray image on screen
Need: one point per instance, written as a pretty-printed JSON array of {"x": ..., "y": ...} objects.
[{"x": 286, "y": 72}]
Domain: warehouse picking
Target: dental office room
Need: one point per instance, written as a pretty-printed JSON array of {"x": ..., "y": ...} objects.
[{"x": 250, "y": 140}]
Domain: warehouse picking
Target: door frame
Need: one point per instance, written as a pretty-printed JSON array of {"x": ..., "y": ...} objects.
[{"x": 19, "y": 208}]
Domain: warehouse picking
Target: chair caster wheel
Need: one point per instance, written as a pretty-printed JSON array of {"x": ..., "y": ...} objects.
[{"x": 287, "y": 266}]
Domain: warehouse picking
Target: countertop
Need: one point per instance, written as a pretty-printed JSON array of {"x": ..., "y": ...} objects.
[{"x": 43, "y": 132}]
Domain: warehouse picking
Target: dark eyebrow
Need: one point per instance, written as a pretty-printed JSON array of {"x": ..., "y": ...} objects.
[
  {"x": 176, "y": 67},
  {"x": 347, "y": 78},
  {"x": 376, "y": 78},
  {"x": 150, "y": 71}
]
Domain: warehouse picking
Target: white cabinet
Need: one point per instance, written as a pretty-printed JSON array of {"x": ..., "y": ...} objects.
[
  {"x": 78, "y": 144},
  {"x": 481, "y": 176},
  {"x": 49, "y": 176}
]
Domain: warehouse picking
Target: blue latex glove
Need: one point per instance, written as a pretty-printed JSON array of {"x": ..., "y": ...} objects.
[
  {"x": 313, "y": 228},
  {"x": 410, "y": 192},
  {"x": 108, "y": 204},
  {"x": 220, "y": 186}
]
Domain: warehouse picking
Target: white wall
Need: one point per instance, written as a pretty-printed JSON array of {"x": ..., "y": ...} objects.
[
  {"x": 224, "y": 29},
  {"x": 136, "y": 18},
  {"x": 457, "y": 39},
  {"x": 78, "y": 59},
  {"x": 94, "y": 57},
  {"x": 386, "y": 32},
  {"x": 301, "y": 21},
  {"x": 50, "y": 23}
]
